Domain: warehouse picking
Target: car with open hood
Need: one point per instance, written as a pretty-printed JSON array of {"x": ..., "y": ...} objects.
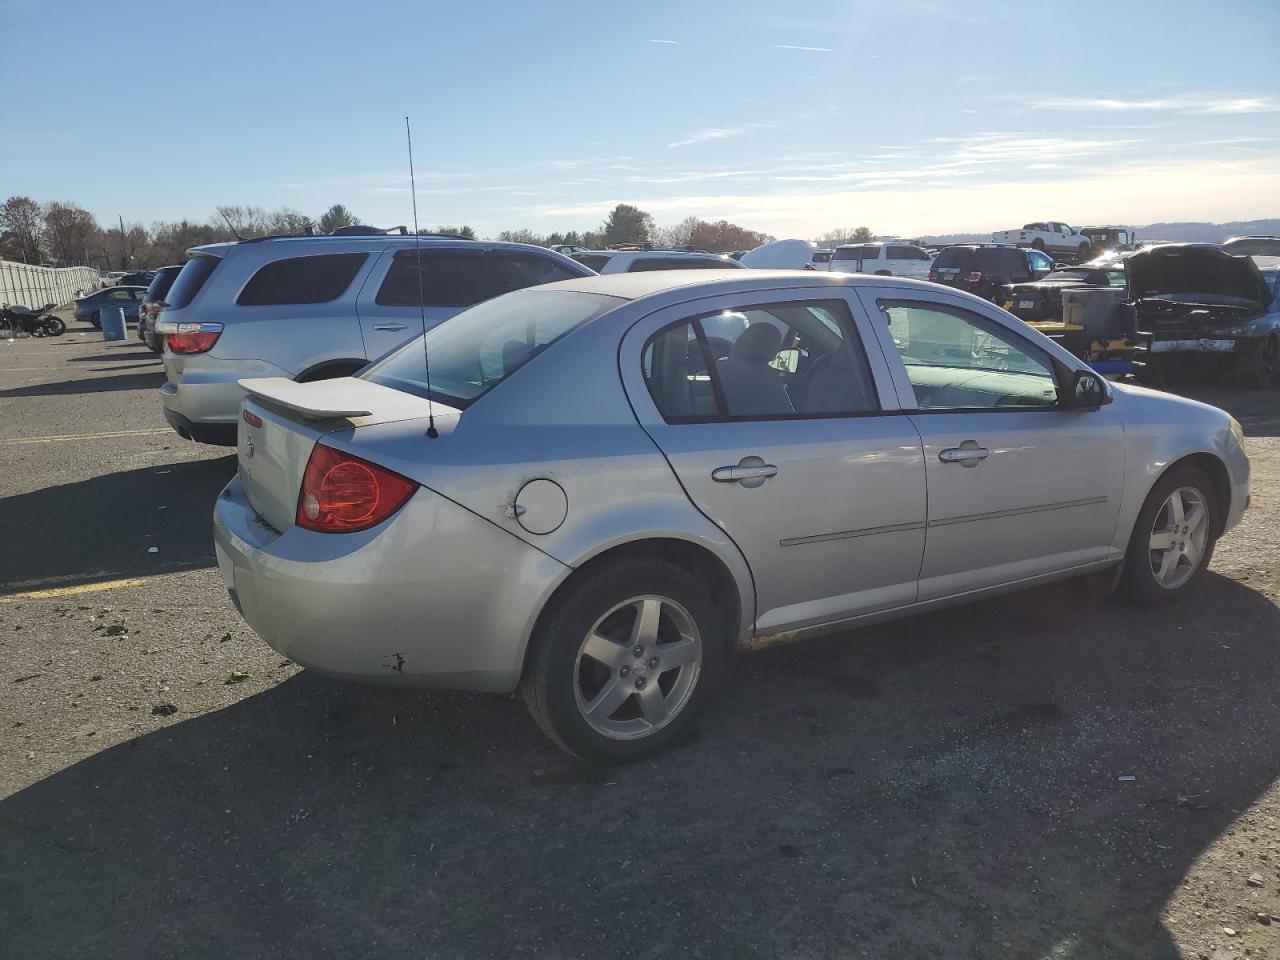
[
  {"x": 591, "y": 491},
  {"x": 1196, "y": 304}
]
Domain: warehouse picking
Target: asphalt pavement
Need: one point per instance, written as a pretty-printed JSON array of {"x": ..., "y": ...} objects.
[{"x": 1047, "y": 775}]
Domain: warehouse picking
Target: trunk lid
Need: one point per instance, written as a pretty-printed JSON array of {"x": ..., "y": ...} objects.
[
  {"x": 1189, "y": 271},
  {"x": 281, "y": 421}
]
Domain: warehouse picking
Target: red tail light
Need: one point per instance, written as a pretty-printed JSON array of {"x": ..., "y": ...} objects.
[
  {"x": 975, "y": 276},
  {"x": 342, "y": 493},
  {"x": 187, "y": 338}
]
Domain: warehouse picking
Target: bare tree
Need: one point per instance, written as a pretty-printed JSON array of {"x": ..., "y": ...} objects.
[
  {"x": 521, "y": 236},
  {"x": 22, "y": 227},
  {"x": 70, "y": 232},
  {"x": 833, "y": 238}
]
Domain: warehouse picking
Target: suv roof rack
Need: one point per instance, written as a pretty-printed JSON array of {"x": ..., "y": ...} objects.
[{"x": 362, "y": 230}]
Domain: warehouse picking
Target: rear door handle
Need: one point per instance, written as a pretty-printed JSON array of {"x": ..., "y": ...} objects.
[
  {"x": 968, "y": 454},
  {"x": 749, "y": 472},
  {"x": 389, "y": 326}
]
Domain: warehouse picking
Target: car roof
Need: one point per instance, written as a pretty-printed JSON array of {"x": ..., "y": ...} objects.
[
  {"x": 633, "y": 286},
  {"x": 380, "y": 241}
]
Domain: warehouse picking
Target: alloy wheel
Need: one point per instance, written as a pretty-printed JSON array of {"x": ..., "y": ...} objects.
[
  {"x": 637, "y": 667},
  {"x": 1178, "y": 537}
]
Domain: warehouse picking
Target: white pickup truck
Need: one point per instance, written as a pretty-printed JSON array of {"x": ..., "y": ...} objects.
[{"x": 1049, "y": 236}]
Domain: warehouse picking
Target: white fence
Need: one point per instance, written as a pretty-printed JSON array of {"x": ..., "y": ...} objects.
[{"x": 36, "y": 286}]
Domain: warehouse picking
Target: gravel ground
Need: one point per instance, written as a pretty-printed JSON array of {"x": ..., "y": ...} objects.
[{"x": 1044, "y": 775}]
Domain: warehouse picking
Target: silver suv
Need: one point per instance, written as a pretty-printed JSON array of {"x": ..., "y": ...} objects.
[{"x": 310, "y": 308}]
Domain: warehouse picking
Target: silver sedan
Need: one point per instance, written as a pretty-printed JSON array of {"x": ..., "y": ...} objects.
[{"x": 604, "y": 485}]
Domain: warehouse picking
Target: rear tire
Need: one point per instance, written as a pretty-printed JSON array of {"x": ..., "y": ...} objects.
[
  {"x": 588, "y": 689},
  {"x": 149, "y": 337},
  {"x": 1257, "y": 368},
  {"x": 1037, "y": 244},
  {"x": 54, "y": 327},
  {"x": 1172, "y": 542}
]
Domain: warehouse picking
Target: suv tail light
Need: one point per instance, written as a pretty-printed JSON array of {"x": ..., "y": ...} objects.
[
  {"x": 187, "y": 338},
  {"x": 342, "y": 493},
  {"x": 975, "y": 276}
]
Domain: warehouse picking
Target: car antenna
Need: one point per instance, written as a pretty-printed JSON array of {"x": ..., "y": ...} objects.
[
  {"x": 432, "y": 432},
  {"x": 234, "y": 231}
]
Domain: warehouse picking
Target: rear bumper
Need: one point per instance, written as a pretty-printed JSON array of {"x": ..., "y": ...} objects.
[
  {"x": 217, "y": 434},
  {"x": 433, "y": 597},
  {"x": 204, "y": 392}
]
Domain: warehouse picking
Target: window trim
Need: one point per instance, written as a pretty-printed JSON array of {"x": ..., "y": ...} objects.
[
  {"x": 695, "y": 320},
  {"x": 902, "y": 377}
]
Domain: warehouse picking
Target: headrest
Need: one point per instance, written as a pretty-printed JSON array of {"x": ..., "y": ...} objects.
[{"x": 758, "y": 343}]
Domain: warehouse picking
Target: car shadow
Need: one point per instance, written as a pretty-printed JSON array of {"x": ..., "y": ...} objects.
[
  {"x": 139, "y": 352},
  {"x": 1026, "y": 777},
  {"x": 125, "y": 381},
  {"x": 102, "y": 528}
]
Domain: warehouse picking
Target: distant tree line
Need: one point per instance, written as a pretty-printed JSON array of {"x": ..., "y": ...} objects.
[{"x": 63, "y": 233}]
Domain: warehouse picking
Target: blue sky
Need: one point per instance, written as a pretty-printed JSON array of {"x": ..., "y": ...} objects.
[{"x": 909, "y": 116}]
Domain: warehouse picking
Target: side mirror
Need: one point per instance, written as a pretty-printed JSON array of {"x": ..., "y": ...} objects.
[{"x": 1088, "y": 392}]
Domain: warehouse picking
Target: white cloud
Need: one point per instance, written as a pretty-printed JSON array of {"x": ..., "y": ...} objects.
[
  {"x": 792, "y": 46},
  {"x": 1196, "y": 103},
  {"x": 672, "y": 42},
  {"x": 719, "y": 133}
]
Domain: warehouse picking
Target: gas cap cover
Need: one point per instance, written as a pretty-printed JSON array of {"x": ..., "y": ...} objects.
[{"x": 541, "y": 506}]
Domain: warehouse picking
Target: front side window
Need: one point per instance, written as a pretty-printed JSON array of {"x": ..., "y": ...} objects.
[
  {"x": 1040, "y": 262},
  {"x": 782, "y": 360},
  {"x": 958, "y": 360},
  {"x": 295, "y": 280}
]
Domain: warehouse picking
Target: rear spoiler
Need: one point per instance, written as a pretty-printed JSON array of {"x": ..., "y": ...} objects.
[{"x": 336, "y": 399}]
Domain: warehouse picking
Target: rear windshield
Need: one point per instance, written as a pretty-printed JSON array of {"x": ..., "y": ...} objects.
[
  {"x": 592, "y": 261},
  {"x": 479, "y": 348},
  {"x": 160, "y": 285},
  {"x": 982, "y": 259},
  {"x": 191, "y": 279},
  {"x": 855, "y": 253},
  {"x": 682, "y": 263},
  {"x": 822, "y": 256}
]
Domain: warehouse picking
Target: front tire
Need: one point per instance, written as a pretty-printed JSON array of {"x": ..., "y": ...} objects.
[
  {"x": 1173, "y": 538},
  {"x": 623, "y": 661}
]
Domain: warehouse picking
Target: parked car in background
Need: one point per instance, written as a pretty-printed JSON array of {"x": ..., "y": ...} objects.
[
  {"x": 788, "y": 254},
  {"x": 1050, "y": 236},
  {"x": 636, "y": 261},
  {"x": 152, "y": 304},
  {"x": 311, "y": 308},
  {"x": 111, "y": 277},
  {"x": 821, "y": 260},
  {"x": 986, "y": 269},
  {"x": 1253, "y": 246},
  {"x": 885, "y": 259},
  {"x": 603, "y": 557},
  {"x": 88, "y": 309},
  {"x": 141, "y": 278},
  {"x": 1200, "y": 306},
  {"x": 1119, "y": 239},
  {"x": 1035, "y": 300}
]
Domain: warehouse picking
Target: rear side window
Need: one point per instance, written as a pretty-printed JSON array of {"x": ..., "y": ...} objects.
[
  {"x": 449, "y": 278},
  {"x": 190, "y": 280},
  {"x": 317, "y": 279},
  {"x": 592, "y": 261}
]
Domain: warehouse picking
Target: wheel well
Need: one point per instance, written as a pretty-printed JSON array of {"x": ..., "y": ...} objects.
[
  {"x": 1217, "y": 472},
  {"x": 329, "y": 369},
  {"x": 699, "y": 562}
]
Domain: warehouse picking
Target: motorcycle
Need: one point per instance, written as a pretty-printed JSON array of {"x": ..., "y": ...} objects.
[{"x": 16, "y": 319}]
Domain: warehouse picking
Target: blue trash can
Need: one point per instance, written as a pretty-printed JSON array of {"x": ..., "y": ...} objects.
[{"x": 112, "y": 323}]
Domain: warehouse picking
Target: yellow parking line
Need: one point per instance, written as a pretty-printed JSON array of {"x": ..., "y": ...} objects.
[
  {"x": 15, "y": 441},
  {"x": 71, "y": 591}
]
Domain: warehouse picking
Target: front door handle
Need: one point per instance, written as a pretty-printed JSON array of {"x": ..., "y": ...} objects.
[
  {"x": 749, "y": 472},
  {"x": 968, "y": 454},
  {"x": 389, "y": 326}
]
